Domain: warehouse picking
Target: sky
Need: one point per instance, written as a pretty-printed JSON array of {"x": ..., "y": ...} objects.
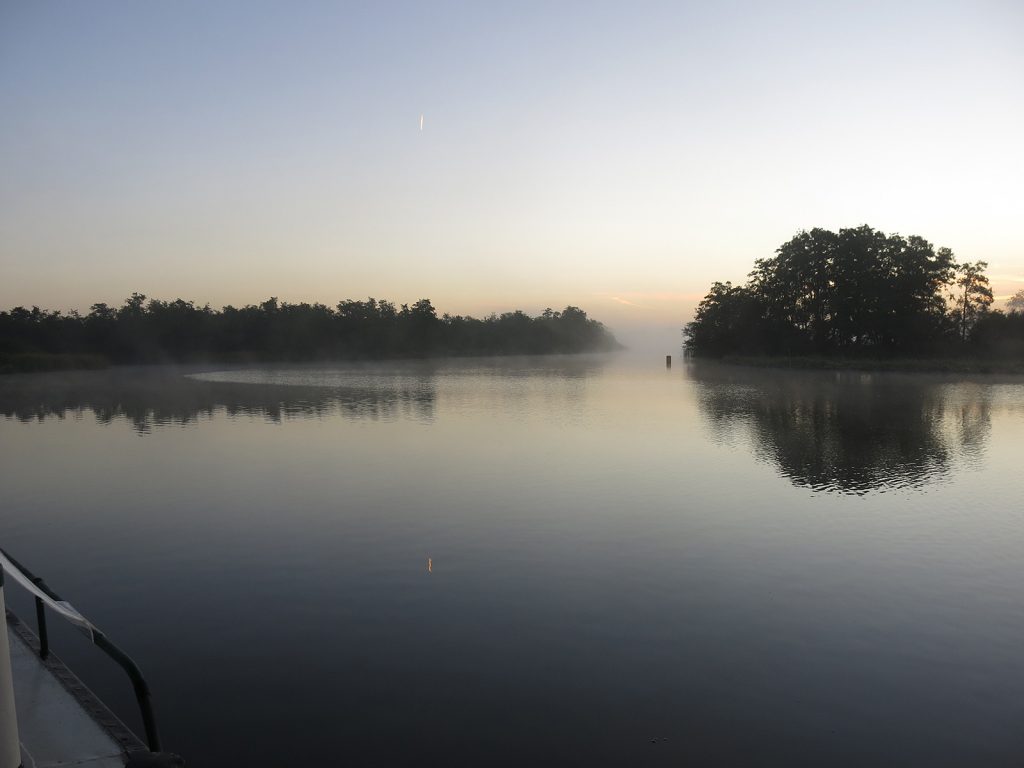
[{"x": 619, "y": 157}]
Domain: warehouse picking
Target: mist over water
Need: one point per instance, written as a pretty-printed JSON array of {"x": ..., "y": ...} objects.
[{"x": 628, "y": 564}]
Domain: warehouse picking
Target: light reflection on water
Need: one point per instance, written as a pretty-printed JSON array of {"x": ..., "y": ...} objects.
[{"x": 546, "y": 560}]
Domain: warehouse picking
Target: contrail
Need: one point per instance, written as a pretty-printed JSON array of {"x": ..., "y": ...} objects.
[
  {"x": 421, "y": 121},
  {"x": 625, "y": 301}
]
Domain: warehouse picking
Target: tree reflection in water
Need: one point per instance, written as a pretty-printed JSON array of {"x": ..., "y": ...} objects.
[
  {"x": 847, "y": 432},
  {"x": 153, "y": 396}
]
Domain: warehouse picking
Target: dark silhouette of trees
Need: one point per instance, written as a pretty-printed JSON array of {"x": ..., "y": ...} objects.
[
  {"x": 999, "y": 335},
  {"x": 973, "y": 296},
  {"x": 854, "y": 292},
  {"x": 735, "y": 319},
  {"x": 150, "y": 330}
]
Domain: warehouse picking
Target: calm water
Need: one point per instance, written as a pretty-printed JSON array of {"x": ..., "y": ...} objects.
[{"x": 537, "y": 561}]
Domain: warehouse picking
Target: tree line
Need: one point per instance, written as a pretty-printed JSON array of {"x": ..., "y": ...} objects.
[
  {"x": 858, "y": 292},
  {"x": 151, "y": 331}
]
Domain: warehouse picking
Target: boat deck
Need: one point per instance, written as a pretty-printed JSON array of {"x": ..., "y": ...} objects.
[{"x": 60, "y": 721}]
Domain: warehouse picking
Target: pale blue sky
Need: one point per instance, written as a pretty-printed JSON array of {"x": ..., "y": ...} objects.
[{"x": 611, "y": 155}]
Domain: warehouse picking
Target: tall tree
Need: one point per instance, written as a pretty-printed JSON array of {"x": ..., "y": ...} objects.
[{"x": 973, "y": 296}]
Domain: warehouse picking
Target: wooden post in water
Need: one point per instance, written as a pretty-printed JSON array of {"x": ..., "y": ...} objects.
[{"x": 668, "y": 361}]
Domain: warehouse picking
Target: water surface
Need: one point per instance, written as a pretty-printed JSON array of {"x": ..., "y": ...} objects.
[{"x": 569, "y": 561}]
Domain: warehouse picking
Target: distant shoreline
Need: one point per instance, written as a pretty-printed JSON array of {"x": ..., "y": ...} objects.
[
  {"x": 154, "y": 331},
  {"x": 898, "y": 364}
]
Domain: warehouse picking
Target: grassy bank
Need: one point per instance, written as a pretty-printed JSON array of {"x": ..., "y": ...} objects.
[{"x": 901, "y": 364}]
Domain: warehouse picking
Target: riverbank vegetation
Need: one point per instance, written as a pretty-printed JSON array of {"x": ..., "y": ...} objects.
[
  {"x": 152, "y": 331},
  {"x": 858, "y": 294}
]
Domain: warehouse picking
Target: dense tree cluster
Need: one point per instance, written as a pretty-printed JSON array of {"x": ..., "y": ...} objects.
[
  {"x": 145, "y": 331},
  {"x": 857, "y": 292}
]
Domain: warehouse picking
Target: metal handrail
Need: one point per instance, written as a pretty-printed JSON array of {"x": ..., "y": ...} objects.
[{"x": 139, "y": 684}]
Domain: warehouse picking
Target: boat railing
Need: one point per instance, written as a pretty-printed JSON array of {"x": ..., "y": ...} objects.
[{"x": 40, "y": 593}]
